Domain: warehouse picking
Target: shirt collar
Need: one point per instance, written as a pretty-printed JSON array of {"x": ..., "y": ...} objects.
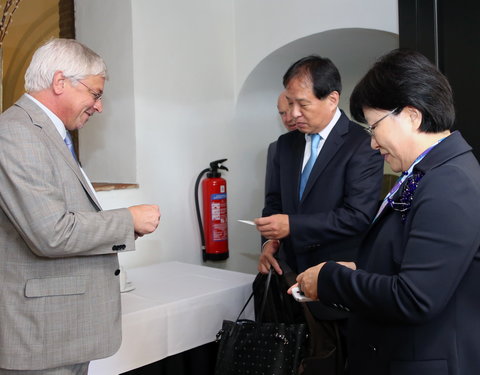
[
  {"x": 327, "y": 129},
  {"x": 56, "y": 121}
]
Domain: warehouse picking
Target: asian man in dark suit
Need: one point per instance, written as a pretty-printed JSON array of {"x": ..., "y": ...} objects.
[
  {"x": 341, "y": 194},
  {"x": 59, "y": 271},
  {"x": 310, "y": 219}
]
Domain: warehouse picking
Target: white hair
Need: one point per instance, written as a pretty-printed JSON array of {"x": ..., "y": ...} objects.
[{"x": 75, "y": 60}]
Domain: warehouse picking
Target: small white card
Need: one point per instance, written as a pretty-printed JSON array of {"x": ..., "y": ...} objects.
[{"x": 249, "y": 222}]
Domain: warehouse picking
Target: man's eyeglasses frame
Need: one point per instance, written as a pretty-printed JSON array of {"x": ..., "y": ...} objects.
[{"x": 96, "y": 95}]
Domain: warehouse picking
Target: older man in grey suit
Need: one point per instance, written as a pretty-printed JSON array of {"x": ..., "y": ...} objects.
[{"x": 59, "y": 294}]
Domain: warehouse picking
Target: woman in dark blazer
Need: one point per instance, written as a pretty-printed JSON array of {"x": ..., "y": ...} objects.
[{"x": 414, "y": 293}]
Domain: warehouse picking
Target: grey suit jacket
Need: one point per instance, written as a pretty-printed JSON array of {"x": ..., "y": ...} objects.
[{"x": 59, "y": 288}]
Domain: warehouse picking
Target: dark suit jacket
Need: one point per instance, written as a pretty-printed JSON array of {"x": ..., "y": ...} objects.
[
  {"x": 272, "y": 149},
  {"x": 340, "y": 198},
  {"x": 416, "y": 299}
]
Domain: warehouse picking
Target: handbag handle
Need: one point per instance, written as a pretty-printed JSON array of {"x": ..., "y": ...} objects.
[
  {"x": 265, "y": 294},
  {"x": 264, "y": 300}
]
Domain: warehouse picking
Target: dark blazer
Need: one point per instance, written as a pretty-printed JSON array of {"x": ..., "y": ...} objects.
[
  {"x": 339, "y": 201},
  {"x": 416, "y": 298},
  {"x": 272, "y": 149}
]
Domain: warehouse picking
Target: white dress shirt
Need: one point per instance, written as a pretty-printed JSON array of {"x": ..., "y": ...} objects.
[{"x": 324, "y": 134}]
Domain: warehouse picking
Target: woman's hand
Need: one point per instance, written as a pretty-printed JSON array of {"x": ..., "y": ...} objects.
[{"x": 308, "y": 280}]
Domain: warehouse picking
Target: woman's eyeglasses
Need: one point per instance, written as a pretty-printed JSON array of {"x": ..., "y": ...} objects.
[{"x": 370, "y": 129}]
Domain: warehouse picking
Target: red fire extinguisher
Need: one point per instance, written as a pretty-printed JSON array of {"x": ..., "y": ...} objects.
[{"x": 214, "y": 230}]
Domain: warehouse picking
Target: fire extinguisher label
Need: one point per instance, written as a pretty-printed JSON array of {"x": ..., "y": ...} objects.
[
  {"x": 218, "y": 204},
  {"x": 217, "y": 197}
]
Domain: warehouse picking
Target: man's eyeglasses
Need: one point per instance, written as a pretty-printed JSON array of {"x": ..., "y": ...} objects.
[
  {"x": 96, "y": 95},
  {"x": 370, "y": 129}
]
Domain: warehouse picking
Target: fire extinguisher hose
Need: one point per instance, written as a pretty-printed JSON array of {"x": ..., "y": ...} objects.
[{"x": 197, "y": 206}]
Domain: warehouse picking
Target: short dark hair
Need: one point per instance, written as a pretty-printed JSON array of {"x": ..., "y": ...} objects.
[
  {"x": 406, "y": 78},
  {"x": 321, "y": 71}
]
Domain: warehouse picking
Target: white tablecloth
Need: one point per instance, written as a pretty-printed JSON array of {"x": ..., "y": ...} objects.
[{"x": 174, "y": 307}]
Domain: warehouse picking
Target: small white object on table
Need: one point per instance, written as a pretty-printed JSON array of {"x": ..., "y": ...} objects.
[{"x": 174, "y": 307}]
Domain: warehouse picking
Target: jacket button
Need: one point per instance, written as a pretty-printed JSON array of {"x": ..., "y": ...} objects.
[{"x": 117, "y": 272}]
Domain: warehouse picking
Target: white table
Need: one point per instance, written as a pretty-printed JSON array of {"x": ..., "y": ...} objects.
[{"x": 173, "y": 308}]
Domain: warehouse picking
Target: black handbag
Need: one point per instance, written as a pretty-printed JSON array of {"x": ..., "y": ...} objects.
[
  {"x": 324, "y": 354},
  {"x": 257, "y": 348}
]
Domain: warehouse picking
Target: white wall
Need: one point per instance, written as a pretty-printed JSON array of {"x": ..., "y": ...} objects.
[
  {"x": 109, "y": 140},
  {"x": 264, "y": 26},
  {"x": 205, "y": 78}
]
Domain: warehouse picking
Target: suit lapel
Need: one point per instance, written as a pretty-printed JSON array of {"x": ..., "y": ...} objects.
[
  {"x": 52, "y": 138},
  {"x": 296, "y": 164},
  {"x": 449, "y": 148},
  {"x": 332, "y": 144}
]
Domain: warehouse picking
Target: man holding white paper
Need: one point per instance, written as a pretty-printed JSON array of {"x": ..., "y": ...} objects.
[
  {"x": 323, "y": 194},
  {"x": 322, "y": 216}
]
